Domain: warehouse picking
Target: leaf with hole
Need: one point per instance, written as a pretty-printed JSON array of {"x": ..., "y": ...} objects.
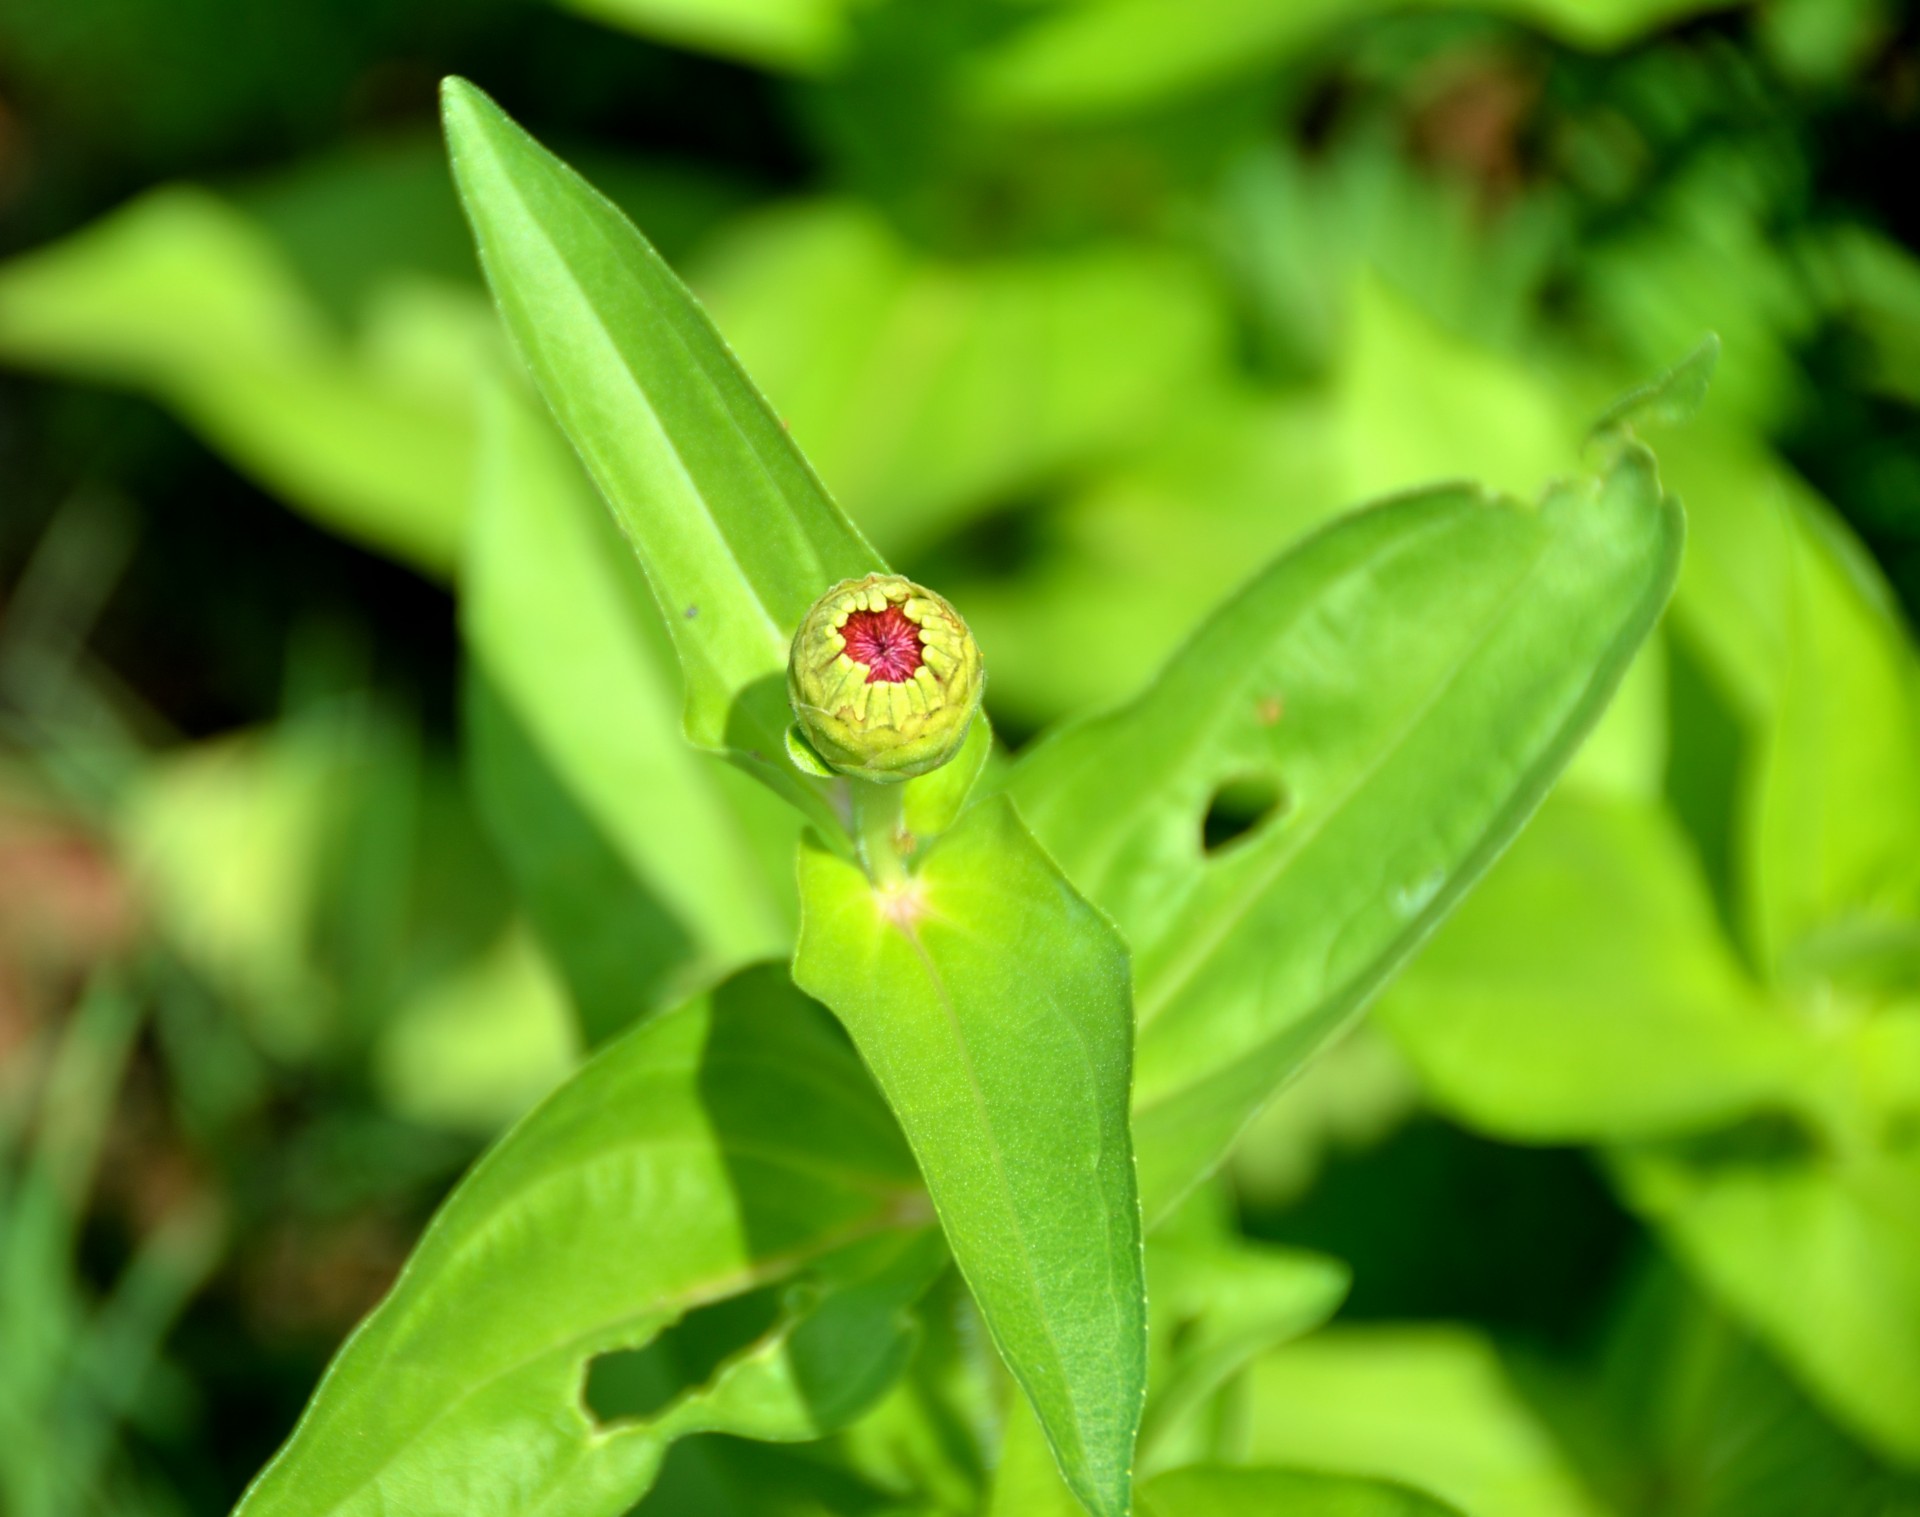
[
  {"x": 657, "y": 1250},
  {"x": 1406, "y": 684}
]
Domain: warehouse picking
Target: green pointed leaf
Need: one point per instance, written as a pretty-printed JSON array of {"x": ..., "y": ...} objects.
[
  {"x": 1223, "y": 1491},
  {"x": 1585, "y": 993},
  {"x": 991, "y": 1004},
  {"x": 1669, "y": 401},
  {"x": 1402, "y": 689},
  {"x": 598, "y": 802},
  {"x": 658, "y": 1249},
  {"x": 736, "y": 534}
]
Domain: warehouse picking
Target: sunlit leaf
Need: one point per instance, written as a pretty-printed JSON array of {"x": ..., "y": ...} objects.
[
  {"x": 735, "y": 533},
  {"x": 1833, "y": 814},
  {"x": 1105, "y": 57},
  {"x": 1393, "y": 698},
  {"x": 803, "y": 36},
  {"x": 1585, "y": 993},
  {"x": 1216, "y": 1305},
  {"x": 991, "y": 1004},
  {"x": 927, "y": 390},
  {"x": 474, "y": 1049},
  {"x": 1430, "y": 1407},
  {"x": 1222, "y": 1491}
]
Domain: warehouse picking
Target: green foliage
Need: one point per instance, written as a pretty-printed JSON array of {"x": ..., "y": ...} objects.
[
  {"x": 575, "y": 741},
  {"x": 181, "y": 295},
  {"x": 1430, "y": 1405},
  {"x": 1016, "y": 1190},
  {"x": 991, "y": 1005},
  {"x": 737, "y": 536},
  {"x": 778, "y": 1309},
  {"x": 1383, "y": 806},
  {"x": 1214, "y": 1491}
]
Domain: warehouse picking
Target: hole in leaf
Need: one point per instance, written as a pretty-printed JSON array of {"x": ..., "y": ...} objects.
[
  {"x": 1239, "y": 806},
  {"x": 638, "y": 1384}
]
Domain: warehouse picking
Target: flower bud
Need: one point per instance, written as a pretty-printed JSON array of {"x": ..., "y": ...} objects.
[{"x": 884, "y": 678}]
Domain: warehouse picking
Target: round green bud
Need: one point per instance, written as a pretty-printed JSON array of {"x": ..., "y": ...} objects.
[{"x": 884, "y": 678}]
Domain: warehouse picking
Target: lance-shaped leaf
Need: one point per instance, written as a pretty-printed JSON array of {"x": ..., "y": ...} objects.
[
  {"x": 991, "y": 1003},
  {"x": 735, "y": 532},
  {"x": 1386, "y": 706},
  {"x": 658, "y": 1249},
  {"x": 573, "y": 726}
]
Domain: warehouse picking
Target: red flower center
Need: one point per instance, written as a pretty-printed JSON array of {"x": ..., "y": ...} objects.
[{"x": 886, "y": 642}]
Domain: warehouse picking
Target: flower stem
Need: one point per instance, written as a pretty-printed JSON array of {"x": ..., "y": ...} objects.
[{"x": 877, "y": 819}]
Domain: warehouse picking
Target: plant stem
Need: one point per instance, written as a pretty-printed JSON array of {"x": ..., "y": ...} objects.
[{"x": 877, "y": 819}]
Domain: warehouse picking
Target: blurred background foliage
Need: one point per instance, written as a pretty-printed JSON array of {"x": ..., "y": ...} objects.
[{"x": 312, "y": 876}]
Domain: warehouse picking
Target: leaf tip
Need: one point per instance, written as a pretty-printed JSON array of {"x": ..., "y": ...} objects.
[
  {"x": 466, "y": 110},
  {"x": 1671, "y": 400}
]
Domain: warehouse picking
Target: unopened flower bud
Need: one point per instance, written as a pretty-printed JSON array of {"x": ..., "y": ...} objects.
[{"x": 884, "y": 678}]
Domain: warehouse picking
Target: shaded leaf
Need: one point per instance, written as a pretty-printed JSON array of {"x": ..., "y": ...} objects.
[
  {"x": 185, "y": 298},
  {"x": 1706, "y": 1411},
  {"x": 648, "y": 1218},
  {"x": 638, "y": 866}
]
